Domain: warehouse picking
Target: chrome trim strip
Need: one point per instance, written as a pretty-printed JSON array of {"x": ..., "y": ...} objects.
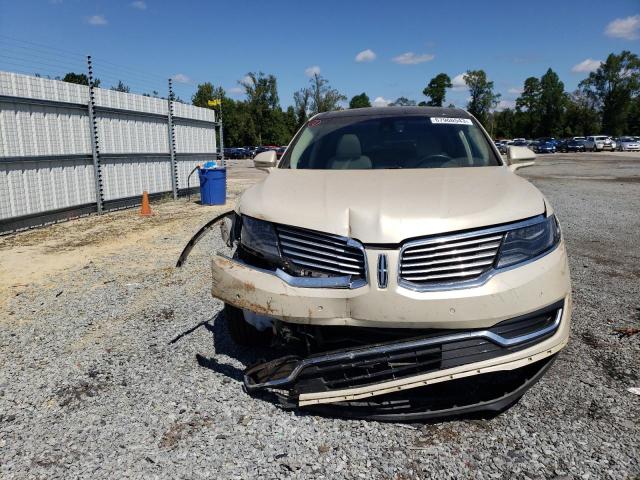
[
  {"x": 354, "y": 354},
  {"x": 476, "y": 282}
]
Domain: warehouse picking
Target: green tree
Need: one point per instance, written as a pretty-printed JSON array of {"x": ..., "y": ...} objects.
[
  {"x": 528, "y": 108},
  {"x": 263, "y": 102},
  {"x": 121, "y": 87},
  {"x": 403, "y": 102},
  {"x": 436, "y": 89},
  {"x": 483, "y": 99},
  {"x": 205, "y": 92},
  {"x": 360, "y": 101},
  {"x": 552, "y": 104},
  {"x": 581, "y": 116},
  {"x": 324, "y": 98},
  {"x": 80, "y": 79},
  {"x": 302, "y": 102},
  {"x": 504, "y": 122},
  {"x": 612, "y": 87}
]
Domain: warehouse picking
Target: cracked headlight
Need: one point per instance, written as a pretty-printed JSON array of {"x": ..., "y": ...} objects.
[
  {"x": 529, "y": 242},
  {"x": 259, "y": 236}
]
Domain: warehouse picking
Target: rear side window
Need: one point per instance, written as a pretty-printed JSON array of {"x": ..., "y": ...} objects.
[{"x": 387, "y": 142}]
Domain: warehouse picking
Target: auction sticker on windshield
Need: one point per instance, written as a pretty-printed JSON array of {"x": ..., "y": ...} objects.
[{"x": 454, "y": 121}]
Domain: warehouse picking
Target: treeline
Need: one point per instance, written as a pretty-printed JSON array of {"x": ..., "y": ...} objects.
[
  {"x": 259, "y": 120},
  {"x": 606, "y": 102}
]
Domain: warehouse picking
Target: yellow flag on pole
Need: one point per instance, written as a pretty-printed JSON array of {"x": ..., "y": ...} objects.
[{"x": 214, "y": 103}]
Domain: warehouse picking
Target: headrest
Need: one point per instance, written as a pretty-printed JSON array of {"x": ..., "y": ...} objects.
[{"x": 349, "y": 146}]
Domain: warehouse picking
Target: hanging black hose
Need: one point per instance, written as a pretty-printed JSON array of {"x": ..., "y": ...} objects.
[{"x": 197, "y": 167}]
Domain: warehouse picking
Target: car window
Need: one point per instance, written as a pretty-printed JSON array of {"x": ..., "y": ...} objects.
[{"x": 387, "y": 142}]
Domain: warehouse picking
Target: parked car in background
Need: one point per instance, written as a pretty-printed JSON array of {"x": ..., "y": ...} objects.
[
  {"x": 571, "y": 145},
  {"x": 520, "y": 142},
  {"x": 280, "y": 151},
  {"x": 598, "y": 143},
  {"x": 582, "y": 139},
  {"x": 628, "y": 144},
  {"x": 544, "y": 146}
]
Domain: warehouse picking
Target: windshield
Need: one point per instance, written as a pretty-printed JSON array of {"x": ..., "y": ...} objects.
[{"x": 368, "y": 142}]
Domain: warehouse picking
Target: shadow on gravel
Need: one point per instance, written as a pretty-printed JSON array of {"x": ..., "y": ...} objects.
[{"x": 223, "y": 345}]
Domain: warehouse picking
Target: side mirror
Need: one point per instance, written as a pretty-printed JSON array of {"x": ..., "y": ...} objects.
[
  {"x": 520, "y": 157},
  {"x": 266, "y": 160}
]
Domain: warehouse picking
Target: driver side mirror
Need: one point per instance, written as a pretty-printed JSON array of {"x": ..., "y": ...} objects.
[
  {"x": 520, "y": 157},
  {"x": 266, "y": 160}
]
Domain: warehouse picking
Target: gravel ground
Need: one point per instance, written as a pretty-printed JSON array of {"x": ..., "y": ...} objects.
[{"x": 114, "y": 364}]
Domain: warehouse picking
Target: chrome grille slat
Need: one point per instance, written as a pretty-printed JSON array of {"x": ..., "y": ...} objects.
[
  {"x": 290, "y": 241},
  {"x": 449, "y": 259},
  {"x": 456, "y": 244},
  {"x": 448, "y": 267},
  {"x": 325, "y": 267},
  {"x": 296, "y": 255},
  {"x": 321, "y": 252},
  {"x": 470, "y": 273},
  {"x": 421, "y": 263},
  {"x": 479, "y": 248}
]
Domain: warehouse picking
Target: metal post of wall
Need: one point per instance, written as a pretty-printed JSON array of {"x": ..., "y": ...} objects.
[
  {"x": 95, "y": 144},
  {"x": 172, "y": 145},
  {"x": 223, "y": 161}
]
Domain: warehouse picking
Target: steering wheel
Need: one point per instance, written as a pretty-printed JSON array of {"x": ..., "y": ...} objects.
[{"x": 429, "y": 160}]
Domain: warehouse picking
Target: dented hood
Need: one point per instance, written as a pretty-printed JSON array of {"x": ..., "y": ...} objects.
[{"x": 389, "y": 206}]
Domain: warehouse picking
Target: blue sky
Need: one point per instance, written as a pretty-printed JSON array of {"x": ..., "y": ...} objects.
[{"x": 405, "y": 42}]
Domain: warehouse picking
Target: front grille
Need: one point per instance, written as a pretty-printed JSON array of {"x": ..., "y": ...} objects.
[
  {"x": 321, "y": 252},
  {"x": 449, "y": 259}
]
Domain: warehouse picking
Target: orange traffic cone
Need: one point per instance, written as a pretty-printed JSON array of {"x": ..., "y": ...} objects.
[{"x": 145, "y": 211}]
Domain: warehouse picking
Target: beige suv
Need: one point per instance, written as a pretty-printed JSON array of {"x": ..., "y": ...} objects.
[{"x": 396, "y": 267}]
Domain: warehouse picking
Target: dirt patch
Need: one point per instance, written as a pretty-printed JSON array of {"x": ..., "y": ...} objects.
[{"x": 181, "y": 429}]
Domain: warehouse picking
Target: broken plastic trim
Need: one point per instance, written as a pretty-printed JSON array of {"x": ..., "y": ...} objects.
[
  {"x": 417, "y": 408},
  {"x": 295, "y": 367},
  {"x": 198, "y": 236}
]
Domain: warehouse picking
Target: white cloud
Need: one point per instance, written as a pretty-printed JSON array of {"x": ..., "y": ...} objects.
[
  {"x": 246, "y": 79},
  {"x": 181, "y": 78},
  {"x": 503, "y": 104},
  {"x": 586, "y": 66},
  {"x": 366, "y": 56},
  {"x": 627, "y": 28},
  {"x": 458, "y": 82},
  {"x": 236, "y": 90},
  {"x": 311, "y": 71},
  {"x": 380, "y": 102},
  {"x": 139, "y": 4},
  {"x": 515, "y": 91},
  {"x": 97, "y": 20},
  {"x": 410, "y": 58}
]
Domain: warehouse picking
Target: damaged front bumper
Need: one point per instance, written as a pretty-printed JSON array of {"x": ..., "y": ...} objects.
[
  {"x": 526, "y": 342},
  {"x": 495, "y": 339}
]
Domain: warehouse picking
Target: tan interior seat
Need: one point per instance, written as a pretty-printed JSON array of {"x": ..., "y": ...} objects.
[{"x": 349, "y": 154}]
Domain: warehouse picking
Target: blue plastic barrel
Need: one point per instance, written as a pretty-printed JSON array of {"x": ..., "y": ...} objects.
[{"x": 213, "y": 186}]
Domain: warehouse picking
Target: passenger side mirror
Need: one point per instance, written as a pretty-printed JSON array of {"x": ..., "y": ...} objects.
[
  {"x": 266, "y": 160},
  {"x": 520, "y": 157}
]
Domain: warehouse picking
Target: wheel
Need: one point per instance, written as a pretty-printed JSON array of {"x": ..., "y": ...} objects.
[{"x": 243, "y": 333}]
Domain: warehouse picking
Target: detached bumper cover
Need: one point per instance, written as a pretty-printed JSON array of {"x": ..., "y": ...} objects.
[{"x": 365, "y": 372}]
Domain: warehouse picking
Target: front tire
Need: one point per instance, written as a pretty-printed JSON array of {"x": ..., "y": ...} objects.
[{"x": 243, "y": 333}]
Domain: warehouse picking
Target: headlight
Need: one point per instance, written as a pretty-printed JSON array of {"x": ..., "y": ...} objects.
[
  {"x": 259, "y": 236},
  {"x": 529, "y": 242}
]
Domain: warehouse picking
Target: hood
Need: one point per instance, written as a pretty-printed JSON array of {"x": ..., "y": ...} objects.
[{"x": 389, "y": 206}]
